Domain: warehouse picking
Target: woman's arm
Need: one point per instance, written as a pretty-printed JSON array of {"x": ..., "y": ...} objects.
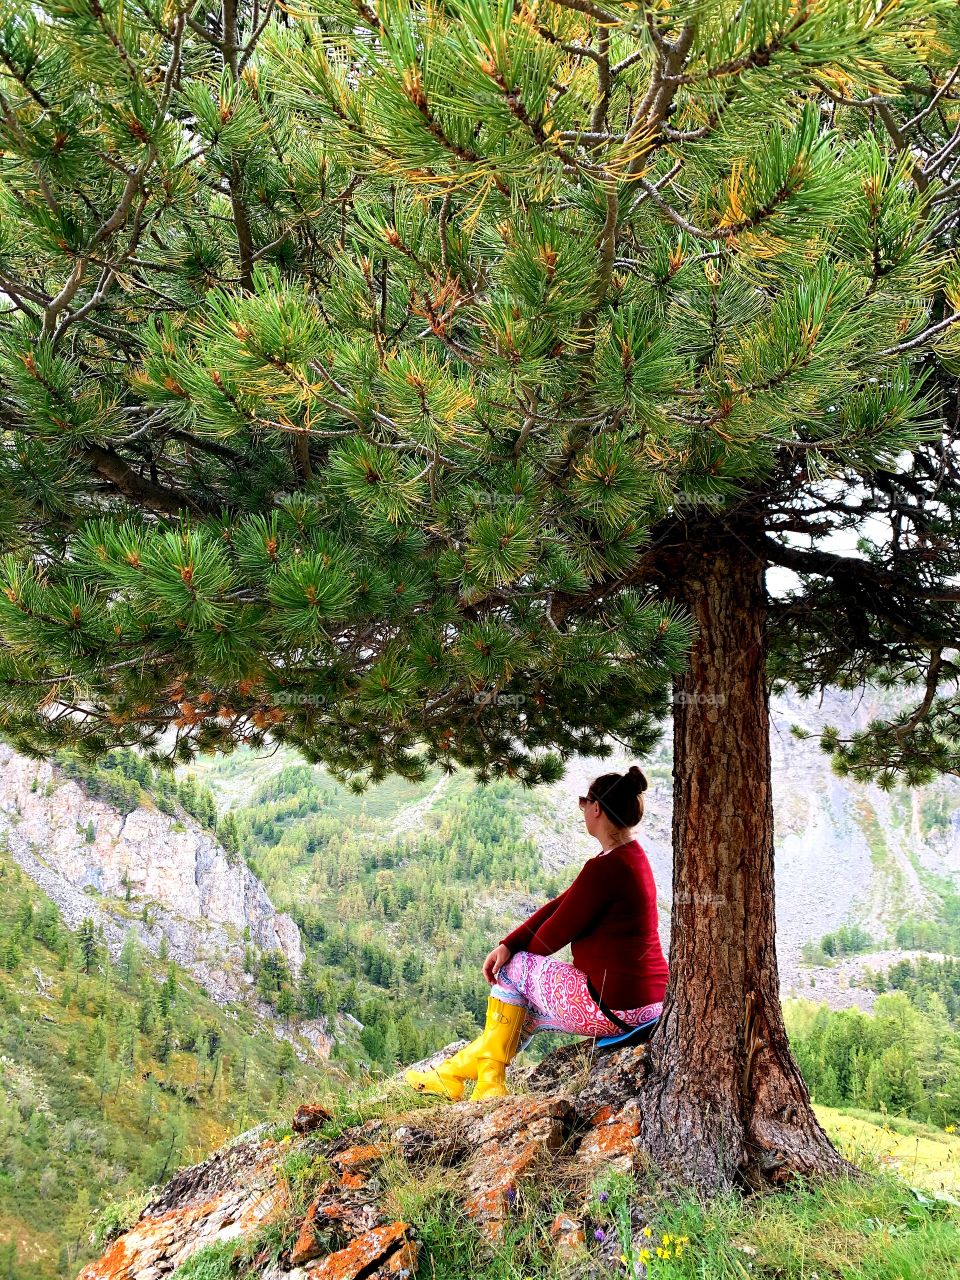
[
  {"x": 574, "y": 912},
  {"x": 518, "y": 939}
]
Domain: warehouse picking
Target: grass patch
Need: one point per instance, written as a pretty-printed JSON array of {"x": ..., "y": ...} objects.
[
  {"x": 118, "y": 1216},
  {"x": 214, "y": 1262},
  {"x": 879, "y": 1230},
  {"x": 453, "y": 1248},
  {"x": 923, "y": 1156},
  {"x": 378, "y": 1100}
]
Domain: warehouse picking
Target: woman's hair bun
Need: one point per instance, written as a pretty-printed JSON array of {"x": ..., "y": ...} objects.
[
  {"x": 638, "y": 777},
  {"x": 618, "y": 795}
]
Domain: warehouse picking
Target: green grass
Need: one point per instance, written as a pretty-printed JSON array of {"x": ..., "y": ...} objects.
[
  {"x": 215, "y": 1262},
  {"x": 926, "y": 1157},
  {"x": 841, "y": 1230},
  {"x": 880, "y": 1230}
]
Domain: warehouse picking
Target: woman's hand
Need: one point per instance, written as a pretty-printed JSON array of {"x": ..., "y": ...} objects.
[{"x": 494, "y": 962}]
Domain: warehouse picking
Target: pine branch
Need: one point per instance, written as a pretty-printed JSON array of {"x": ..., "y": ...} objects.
[
  {"x": 854, "y": 573},
  {"x": 109, "y": 465}
]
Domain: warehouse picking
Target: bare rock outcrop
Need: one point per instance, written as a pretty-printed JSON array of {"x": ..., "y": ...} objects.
[
  {"x": 196, "y": 896},
  {"x": 572, "y": 1118}
]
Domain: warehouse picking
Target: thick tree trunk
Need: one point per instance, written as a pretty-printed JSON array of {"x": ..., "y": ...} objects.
[{"x": 723, "y": 1101}]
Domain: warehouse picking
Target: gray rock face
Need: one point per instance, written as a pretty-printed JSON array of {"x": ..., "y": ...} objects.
[{"x": 196, "y": 898}]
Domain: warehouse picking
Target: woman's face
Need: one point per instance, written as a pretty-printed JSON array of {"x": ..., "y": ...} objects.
[{"x": 591, "y": 814}]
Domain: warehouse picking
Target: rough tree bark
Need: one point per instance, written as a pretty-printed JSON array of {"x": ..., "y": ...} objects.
[{"x": 723, "y": 1101}]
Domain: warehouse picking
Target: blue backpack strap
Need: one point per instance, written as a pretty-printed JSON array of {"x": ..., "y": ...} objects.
[{"x": 636, "y": 1035}]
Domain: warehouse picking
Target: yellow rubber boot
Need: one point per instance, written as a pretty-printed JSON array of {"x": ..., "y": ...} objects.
[
  {"x": 448, "y": 1078},
  {"x": 505, "y": 1023}
]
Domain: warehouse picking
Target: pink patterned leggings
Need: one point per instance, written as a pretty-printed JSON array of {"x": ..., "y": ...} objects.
[{"x": 558, "y": 998}]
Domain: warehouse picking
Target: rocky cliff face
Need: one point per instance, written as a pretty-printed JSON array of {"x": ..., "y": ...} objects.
[{"x": 196, "y": 898}]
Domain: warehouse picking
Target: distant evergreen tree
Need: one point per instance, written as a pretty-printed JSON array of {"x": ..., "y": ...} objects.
[
  {"x": 87, "y": 941},
  {"x": 875, "y": 1093},
  {"x": 286, "y": 1061},
  {"x": 129, "y": 962},
  {"x": 147, "y": 1013},
  {"x": 165, "y": 1041}
]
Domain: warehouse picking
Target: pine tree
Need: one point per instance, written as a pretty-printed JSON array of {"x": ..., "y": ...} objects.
[
  {"x": 165, "y": 1041},
  {"x": 436, "y": 384},
  {"x": 129, "y": 963},
  {"x": 286, "y": 1004},
  {"x": 286, "y": 1061},
  {"x": 87, "y": 939},
  {"x": 876, "y": 1091}
]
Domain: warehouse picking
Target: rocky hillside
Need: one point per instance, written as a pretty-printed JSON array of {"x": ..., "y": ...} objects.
[
  {"x": 161, "y": 875},
  {"x": 547, "y": 1182},
  {"x": 569, "y": 1116}
]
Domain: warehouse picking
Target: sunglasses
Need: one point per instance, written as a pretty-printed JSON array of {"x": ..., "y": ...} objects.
[{"x": 585, "y": 800}]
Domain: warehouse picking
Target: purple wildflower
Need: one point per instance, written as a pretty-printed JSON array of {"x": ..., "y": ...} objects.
[
  {"x": 511, "y": 1194},
  {"x": 600, "y": 1234},
  {"x": 603, "y": 1197}
]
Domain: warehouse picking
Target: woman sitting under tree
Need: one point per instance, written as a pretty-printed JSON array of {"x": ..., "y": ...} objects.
[{"x": 619, "y": 972}]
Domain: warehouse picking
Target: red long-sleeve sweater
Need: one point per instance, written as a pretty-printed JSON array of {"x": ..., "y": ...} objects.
[{"x": 609, "y": 916}]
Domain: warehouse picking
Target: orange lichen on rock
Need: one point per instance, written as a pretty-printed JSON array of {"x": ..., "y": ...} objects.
[
  {"x": 331, "y": 1222},
  {"x": 175, "y": 1235},
  {"x": 374, "y": 1249},
  {"x": 309, "y": 1116},
  {"x": 352, "y": 1164},
  {"x": 307, "y": 1246},
  {"x": 567, "y": 1234},
  {"x": 611, "y": 1145},
  {"x": 513, "y": 1140},
  {"x": 355, "y": 1158}
]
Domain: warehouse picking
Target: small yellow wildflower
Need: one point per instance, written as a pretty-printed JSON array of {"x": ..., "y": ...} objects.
[
  {"x": 951, "y": 1128},
  {"x": 647, "y": 1232},
  {"x": 661, "y": 1253},
  {"x": 666, "y": 1238},
  {"x": 644, "y": 1255}
]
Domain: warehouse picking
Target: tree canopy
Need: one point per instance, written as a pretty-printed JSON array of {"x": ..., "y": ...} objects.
[{"x": 360, "y": 361}]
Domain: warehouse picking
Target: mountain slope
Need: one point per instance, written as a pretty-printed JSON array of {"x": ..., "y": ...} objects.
[
  {"x": 159, "y": 873},
  {"x": 112, "y": 1073}
]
